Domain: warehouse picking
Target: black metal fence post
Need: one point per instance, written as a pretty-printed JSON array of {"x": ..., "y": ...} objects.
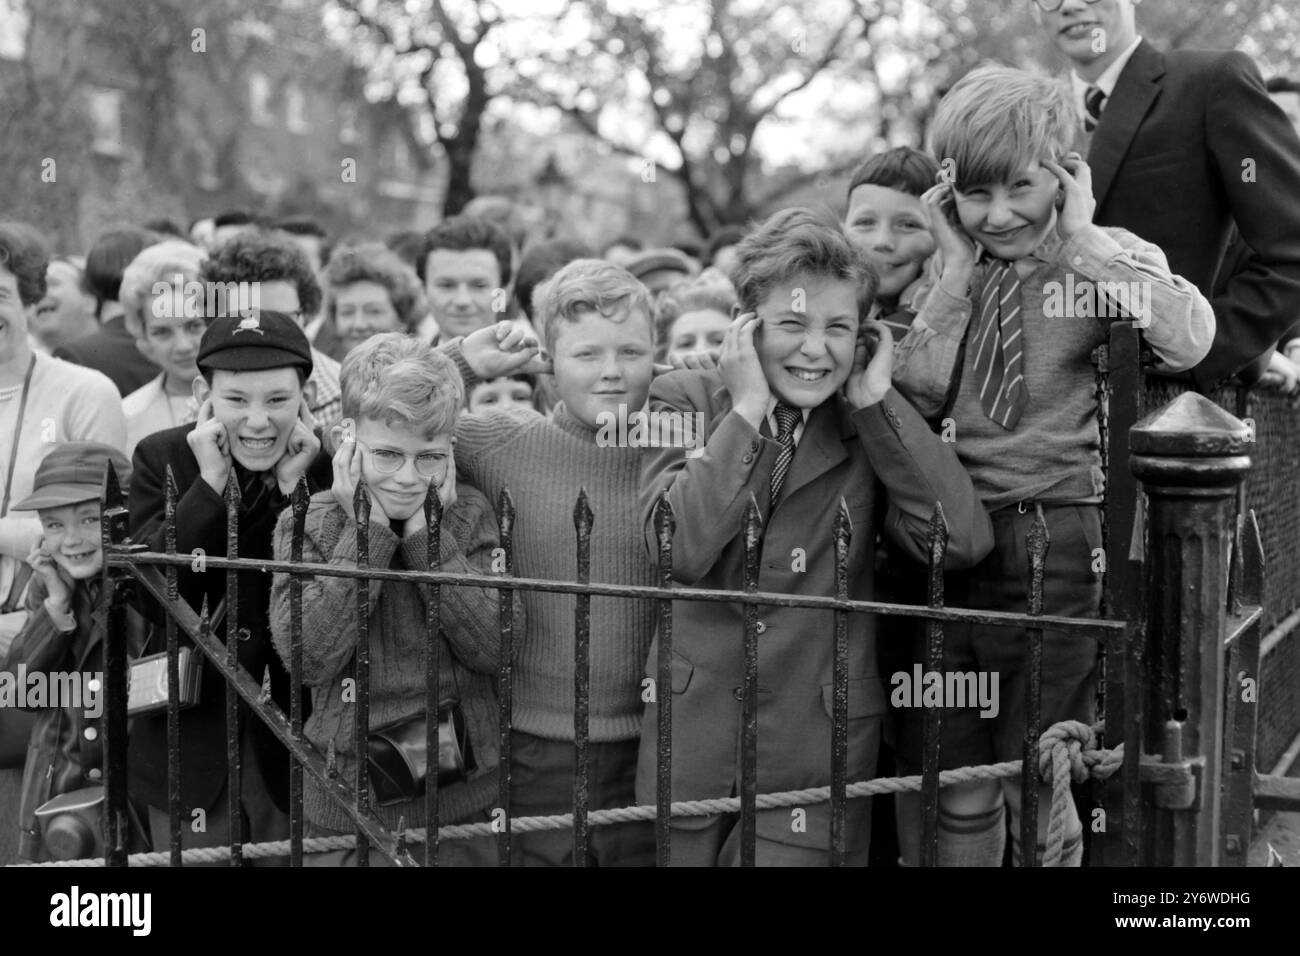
[
  {"x": 1190, "y": 456},
  {"x": 113, "y": 534}
]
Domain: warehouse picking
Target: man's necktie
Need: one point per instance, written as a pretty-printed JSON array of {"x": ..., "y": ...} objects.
[
  {"x": 787, "y": 417},
  {"x": 1093, "y": 98},
  {"x": 999, "y": 347}
]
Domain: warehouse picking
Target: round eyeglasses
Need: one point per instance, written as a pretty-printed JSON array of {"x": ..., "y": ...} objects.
[{"x": 430, "y": 464}]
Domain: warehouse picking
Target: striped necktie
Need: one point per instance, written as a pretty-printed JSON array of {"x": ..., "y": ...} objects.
[
  {"x": 999, "y": 347},
  {"x": 787, "y": 417},
  {"x": 1093, "y": 98}
]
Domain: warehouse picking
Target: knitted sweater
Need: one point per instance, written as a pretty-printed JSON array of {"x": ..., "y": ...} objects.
[
  {"x": 545, "y": 462},
  {"x": 469, "y": 654}
]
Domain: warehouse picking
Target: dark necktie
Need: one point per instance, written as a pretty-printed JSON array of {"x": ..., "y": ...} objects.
[
  {"x": 787, "y": 417},
  {"x": 1093, "y": 98},
  {"x": 999, "y": 347}
]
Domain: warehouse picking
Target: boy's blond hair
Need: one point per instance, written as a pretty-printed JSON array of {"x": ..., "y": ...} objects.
[
  {"x": 395, "y": 378},
  {"x": 589, "y": 285},
  {"x": 996, "y": 120}
]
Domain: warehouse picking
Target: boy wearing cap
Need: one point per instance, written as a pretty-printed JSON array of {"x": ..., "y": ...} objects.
[
  {"x": 63, "y": 635},
  {"x": 253, "y": 423}
]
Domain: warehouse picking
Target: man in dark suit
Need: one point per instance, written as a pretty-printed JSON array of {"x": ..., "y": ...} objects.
[
  {"x": 1183, "y": 145},
  {"x": 252, "y": 421}
]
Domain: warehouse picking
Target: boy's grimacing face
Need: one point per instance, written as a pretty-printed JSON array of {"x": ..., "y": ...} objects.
[
  {"x": 807, "y": 355},
  {"x": 1010, "y": 219},
  {"x": 259, "y": 409},
  {"x": 893, "y": 232},
  {"x": 402, "y": 493},
  {"x": 603, "y": 363},
  {"x": 72, "y": 538}
]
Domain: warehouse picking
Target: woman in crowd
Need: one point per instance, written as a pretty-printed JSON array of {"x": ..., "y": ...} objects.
[
  {"x": 167, "y": 328},
  {"x": 368, "y": 290}
]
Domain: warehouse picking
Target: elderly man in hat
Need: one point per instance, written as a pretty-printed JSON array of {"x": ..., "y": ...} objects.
[
  {"x": 63, "y": 636},
  {"x": 253, "y": 424}
]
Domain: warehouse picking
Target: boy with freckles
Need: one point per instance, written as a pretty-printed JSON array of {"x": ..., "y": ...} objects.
[
  {"x": 253, "y": 423},
  {"x": 797, "y": 418},
  {"x": 991, "y": 345}
]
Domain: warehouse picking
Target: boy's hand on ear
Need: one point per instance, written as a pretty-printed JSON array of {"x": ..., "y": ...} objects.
[
  {"x": 299, "y": 451},
  {"x": 955, "y": 249},
  {"x": 503, "y": 348},
  {"x": 1076, "y": 183},
  {"x": 742, "y": 372},
  {"x": 210, "y": 444},
  {"x": 347, "y": 475},
  {"x": 873, "y": 366},
  {"x": 57, "y": 585}
]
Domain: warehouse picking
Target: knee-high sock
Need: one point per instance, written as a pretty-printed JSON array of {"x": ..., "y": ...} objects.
[{"x": 977, "y": 839}]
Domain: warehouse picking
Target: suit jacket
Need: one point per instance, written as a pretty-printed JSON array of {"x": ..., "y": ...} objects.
[
  {"x": 1189, "y": 143},
  {"x": 111, "y": 349},
  {"x": 201, "y": 523},
  {"x": 891, "y": 470}
]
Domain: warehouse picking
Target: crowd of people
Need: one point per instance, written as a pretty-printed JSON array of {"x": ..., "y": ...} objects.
[{"x": 909, "y": 354}]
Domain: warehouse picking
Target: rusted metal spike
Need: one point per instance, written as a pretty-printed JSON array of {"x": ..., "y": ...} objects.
[
  {"x": 842, "y": 529},
  {"x": 1037, "y": 542},
  {"x": 205, "y": 618},
  {"x": 664, "y": 519},
  {"x": 582, "y": 516},
  {"x": 361, "y": 503},
  {"x": 331, "y": 760},
  {"x": 938, "y": 535},
  {"x": 232, "y": 494},
  {"x": 432, "y": 508},
  {"x": 265, "y": 696},
  {"x": 401, "y": 835},
  {"x": 170, "y": 495},
  {"x": 753, "y": 527},
  {"x": 505, "y": 513},
  {"x": 113, "y": 497},
  {"x": 301, "y": 495}
]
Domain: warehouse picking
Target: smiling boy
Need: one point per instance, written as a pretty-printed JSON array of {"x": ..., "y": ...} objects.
[
  {"x": 401, "y": 399},
  {"x": 252, "y": 422},
  {"x": 64, "y": 634},
  {"x": 1016, "y": 377},
  {"x": 595, "y": 320},
  {"x": 887, "y": 221},
  {"x": 797, "y": 419}
]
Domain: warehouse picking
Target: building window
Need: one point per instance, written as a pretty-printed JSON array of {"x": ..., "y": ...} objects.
[
  {"x": 259, "y": 99},
  {"x": 106, "y": 121},
  {"x": 296, "y": 110}
]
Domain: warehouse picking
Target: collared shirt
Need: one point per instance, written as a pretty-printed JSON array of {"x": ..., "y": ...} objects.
[
  {"x": 775, "y": 428},
  {"x": 1106, "y": 82}
]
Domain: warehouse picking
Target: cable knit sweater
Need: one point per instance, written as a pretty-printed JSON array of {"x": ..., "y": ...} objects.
[
  {"x": 469, "y": 656},
  {"x": 545, "y": 462}
]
